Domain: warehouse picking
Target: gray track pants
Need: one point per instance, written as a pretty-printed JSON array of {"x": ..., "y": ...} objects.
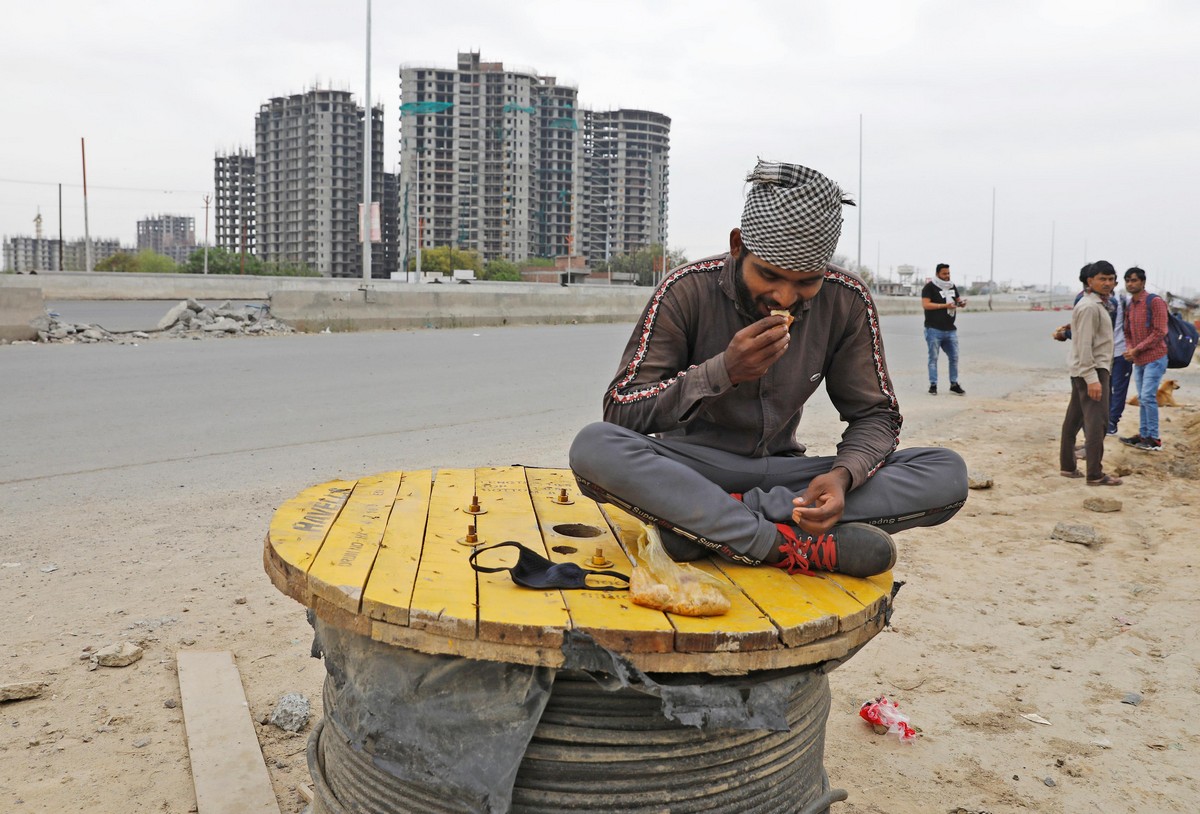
[{"x": 685, "y": 489}]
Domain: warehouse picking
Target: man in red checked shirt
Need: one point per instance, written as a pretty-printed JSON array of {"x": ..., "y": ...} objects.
[{"x": 1146, "y": 347}]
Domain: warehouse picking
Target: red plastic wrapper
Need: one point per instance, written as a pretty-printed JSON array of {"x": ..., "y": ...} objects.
[{"x": 882, "y": 712}]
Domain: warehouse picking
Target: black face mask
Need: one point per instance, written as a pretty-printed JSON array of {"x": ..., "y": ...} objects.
[{"x": 535, "y": 571}]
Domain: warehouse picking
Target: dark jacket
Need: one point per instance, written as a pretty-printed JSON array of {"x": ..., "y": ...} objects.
[{"x": 672, "y": 380}]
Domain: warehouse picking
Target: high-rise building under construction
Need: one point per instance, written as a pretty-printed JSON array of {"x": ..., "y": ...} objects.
[
  {"x": 171, "y": 235},
  {"x": 504, "y": 161},
  {"x": 234, "y": 182},
  {"x": 308, "y": 166},
  {"x": 625, "y": 162}
]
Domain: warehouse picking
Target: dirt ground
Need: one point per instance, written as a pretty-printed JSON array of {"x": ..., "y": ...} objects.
[{"x": 996, "y": 620}]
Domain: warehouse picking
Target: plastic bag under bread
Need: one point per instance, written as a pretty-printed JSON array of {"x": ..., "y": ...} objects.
[{"x": 661, "y": 583}]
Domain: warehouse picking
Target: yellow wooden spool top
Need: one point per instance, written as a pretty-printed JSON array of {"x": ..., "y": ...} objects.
[{"x": 386, "y": 556}]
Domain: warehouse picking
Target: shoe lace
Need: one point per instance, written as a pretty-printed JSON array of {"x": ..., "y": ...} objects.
[{"x": 803, "y": 552}]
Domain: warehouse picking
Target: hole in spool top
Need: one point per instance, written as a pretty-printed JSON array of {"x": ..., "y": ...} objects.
[
  {"x": 564, "y": 549},
  {"x": 577, "y": 530}
]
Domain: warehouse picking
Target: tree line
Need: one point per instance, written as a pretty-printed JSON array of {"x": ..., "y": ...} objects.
[
  {"x": 643, "y": 267},
  {"x": 220, "y": 261}
]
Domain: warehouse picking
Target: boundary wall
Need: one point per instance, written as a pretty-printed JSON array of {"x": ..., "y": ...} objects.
[{"x": 317, "y": 303}]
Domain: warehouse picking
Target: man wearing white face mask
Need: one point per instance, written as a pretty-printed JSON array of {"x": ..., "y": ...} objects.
[{"x": 940, "y": 300}]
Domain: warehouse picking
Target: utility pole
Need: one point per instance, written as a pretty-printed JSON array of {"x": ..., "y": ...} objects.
[
  {"x": 368, "y": 121},
  {"x": 992, "y": 259},
  {"x": 207, "y": 198},
  {"x": 87, "y": 235},
  {"x": 1050, "y": 295},
  {"x": 60, "y": 231},
  {"x": 860, "y": 197}
]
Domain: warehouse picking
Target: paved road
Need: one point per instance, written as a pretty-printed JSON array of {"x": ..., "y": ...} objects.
[{"x": 301, "y": 409}]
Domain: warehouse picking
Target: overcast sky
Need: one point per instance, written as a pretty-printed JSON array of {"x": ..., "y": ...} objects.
[{"x": 1082, "y": 115}]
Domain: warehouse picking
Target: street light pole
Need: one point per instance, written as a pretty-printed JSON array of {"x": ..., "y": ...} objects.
[
  {"x": 368, "y": 121},
  {"x": 992, "y": 259},
  {"x": 860, "y": 200},
  {"x": 207, "y": 198},
  {"x": 1050, "y": 293},
  {"x": 88, "y": 256}
]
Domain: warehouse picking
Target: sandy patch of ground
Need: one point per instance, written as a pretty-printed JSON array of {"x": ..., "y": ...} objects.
[{"x": 996, "y": 620}]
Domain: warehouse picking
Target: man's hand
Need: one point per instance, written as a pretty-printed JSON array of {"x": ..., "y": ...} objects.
[
  {"x": 822, "y": 504},
  {"x": 755, "y": 348},
  {"x": 1128, "y": 355},
  {"x": 1094, "y": 391}
]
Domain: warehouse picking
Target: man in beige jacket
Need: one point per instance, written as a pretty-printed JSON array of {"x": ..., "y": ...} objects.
[{"x": 1090, "y": 359}]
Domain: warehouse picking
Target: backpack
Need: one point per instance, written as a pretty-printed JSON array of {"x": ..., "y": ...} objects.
[{"x": 1181, "y": 336}]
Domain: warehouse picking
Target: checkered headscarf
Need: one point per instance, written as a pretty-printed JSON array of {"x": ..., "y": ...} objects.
[{"x": 793, "y": 216}]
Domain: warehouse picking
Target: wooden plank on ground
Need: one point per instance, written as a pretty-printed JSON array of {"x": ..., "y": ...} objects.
[
  {"x": 444, "y": 598},
  {"x": 510, "y": 613},
  {"x": 390, "y": 586},
  {"x": 609, "y": 617},
  {"x": 339, "y": 573},
  {"x": 228, "y": 771},
  {"x": 297, "y": 532}
]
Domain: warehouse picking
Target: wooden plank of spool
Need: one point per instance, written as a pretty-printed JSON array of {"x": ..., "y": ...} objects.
[
  {"x": 832, "y": 647},
  {"x": 426, "y": 642},
  {"x": 443, "y": 596},
  {"x": 421, "y": 592},
  {"x": 390, "y": 586},
  {"x": 297, "y": 531},
  {"x": 743, "y": 627},
  {"x": 508, "y": 613},
  {"x": 339, "y": 573},
  {"x": 873, "y": 592},
  {"x": 802, "y": 615},
  {"x": 828, "y": 595},
  {"x": 609, "y": 617}
]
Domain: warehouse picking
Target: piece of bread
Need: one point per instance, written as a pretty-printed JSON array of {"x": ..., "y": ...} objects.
[{"x": 787, "y": 315}]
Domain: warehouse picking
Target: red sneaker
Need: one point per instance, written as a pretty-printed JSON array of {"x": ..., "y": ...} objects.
[{"x": 854, "y": 549}]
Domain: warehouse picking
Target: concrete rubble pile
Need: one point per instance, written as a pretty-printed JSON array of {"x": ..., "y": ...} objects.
[{"x": 187, "y": 319}]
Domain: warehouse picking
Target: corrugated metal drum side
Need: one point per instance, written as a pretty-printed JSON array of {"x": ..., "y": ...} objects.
[
  {"x": 600, "y": 750},
  {"x": 597, "y": 750}
]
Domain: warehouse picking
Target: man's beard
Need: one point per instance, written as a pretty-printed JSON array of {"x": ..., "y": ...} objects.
[
  {"x": 752, "y": 307},
  {"x": 745, "y": 300}
]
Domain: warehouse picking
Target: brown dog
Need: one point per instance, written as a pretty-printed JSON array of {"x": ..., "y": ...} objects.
[{"x": 1166, "y": 396}]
